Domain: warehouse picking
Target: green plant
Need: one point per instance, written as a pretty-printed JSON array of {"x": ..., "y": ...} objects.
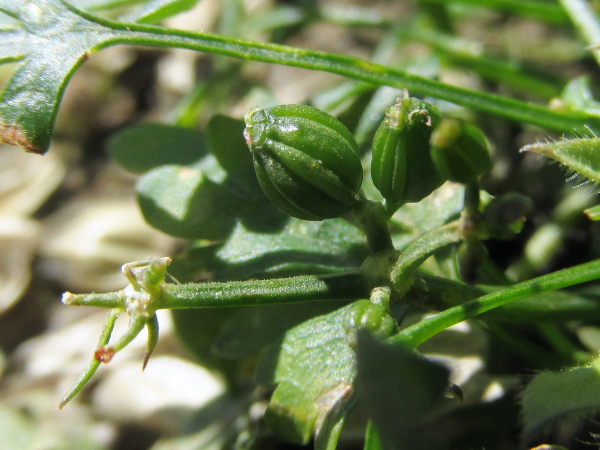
[{"x": 328, "y": 301}]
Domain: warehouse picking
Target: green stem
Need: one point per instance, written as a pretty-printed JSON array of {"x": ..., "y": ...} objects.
[
  {"x": 372, "y": 219},
  {"x": 562, "y": 344},
  {"x": 470, "y": 54},
  {"x": 351, "y": 67},
  {"x": 344, "y": 286},
  {"x": 527, "y": 8},
  {"x": 419, "y": 250},
  {"x": 421, "y": 331},
  {"x": 585, "y": 21},
  {"x": 472, "y": 200},
  {"x": 89, "y": 371},
  {"x": 437, "y": 293},
  {"x": 347, "y": 286}
]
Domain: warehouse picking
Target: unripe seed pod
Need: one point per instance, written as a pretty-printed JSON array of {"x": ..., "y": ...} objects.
[
  {"x": 364, "y": 314},
  {"x": 306, "y": 161},
  {"x": 401, "y": 167},
  {"x": 460, "y": 151}
]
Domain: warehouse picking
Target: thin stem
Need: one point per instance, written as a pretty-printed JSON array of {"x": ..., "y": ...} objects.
[
  {"x": 557, "y": 338},
  {"x": 152, "y": 327},
  {"x": 89, "y": 371},
  {"x": 528, "y": 8},
  {"x": 470, "y": 54},
  {"x": 437, "y": 293},
  {"x": 372, "y": 219},
  {"x": 419, "y": 250},
  {"x": 585, "y": 21},
  {"x": 472, "y": 200},
  {"x": 421, "y": 331},
  {"x": 347, "y": 286},
  {"x": 347, "y": 66},
  {"x": 350, "y": 285},
  {"x": 523, "y": 347}
]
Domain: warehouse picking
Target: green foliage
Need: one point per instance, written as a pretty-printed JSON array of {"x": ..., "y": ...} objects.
[
  {"x": 146, "y": 146},
  {"x": 314, "y": 369},
  {"x": 328, "y": 314},
  {"x": 401, "y": 391},
  {"x": 555, "y": 395}
]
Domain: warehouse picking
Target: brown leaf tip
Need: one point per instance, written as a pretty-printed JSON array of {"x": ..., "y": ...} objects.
[{"x": 13, "y": 135}]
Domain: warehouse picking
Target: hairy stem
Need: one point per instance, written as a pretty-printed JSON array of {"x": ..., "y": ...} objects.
[{"x": 347, "y": 286}]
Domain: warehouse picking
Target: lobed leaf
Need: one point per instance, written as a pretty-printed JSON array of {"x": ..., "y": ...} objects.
[
  {"x": 52, "y": 39},
  {"x": 401, "y": 390},
  {"x": 552, "y": 396},
  {"x": 145, "y": 146},
  {"x": 579, "y": 155},
  {"x": 314, "y": 369},
  {"x": 297, "y": 246},
  {"x": 49, "y": 42}
]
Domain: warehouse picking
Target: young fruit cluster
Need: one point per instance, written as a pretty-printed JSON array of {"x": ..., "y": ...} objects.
[{"x": 308, "y": 163}]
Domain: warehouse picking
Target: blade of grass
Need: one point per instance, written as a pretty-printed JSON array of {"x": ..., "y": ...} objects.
[
  {"x": 540, "y": 10},
  {"x": 585, "y": 21}
]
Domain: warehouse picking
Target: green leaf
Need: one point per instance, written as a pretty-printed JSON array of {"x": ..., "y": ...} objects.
[
  {"x": 50, "y": 41},
  {"x": 578, "y": 95},
  {"x": 182, "y": 201},
  {"x": 372, "y": 439},
  {"x": 299, "y": 246},
  {"x": 254, "y": 327},
  {"x": 54, "y": 38},
  {"x": 145, "y": 146},
  {"x": 552, "y": 396},
  {"x": 314, "y": 369},
  {"x": 579, "y": 155},
  {"x": 400, "y": 389},
  {"x": 226, "y": 141},
  {"x": 154, "y": 11}
]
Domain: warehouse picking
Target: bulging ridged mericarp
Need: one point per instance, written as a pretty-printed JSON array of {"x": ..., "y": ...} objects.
[
  {"x": 306, "y": 161},
  {"x": 401, "y": 167},
  {"x": 460, "y": 151}
]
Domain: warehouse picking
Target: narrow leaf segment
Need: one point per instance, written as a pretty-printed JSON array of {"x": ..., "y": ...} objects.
[{"x": 52, "y": 39}]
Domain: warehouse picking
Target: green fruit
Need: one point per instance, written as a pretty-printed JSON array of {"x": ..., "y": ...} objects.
[
  {"x": 460, "y": 151},
  {"x": 401, "y": 167},
  {"x": 306, "y": 161}
]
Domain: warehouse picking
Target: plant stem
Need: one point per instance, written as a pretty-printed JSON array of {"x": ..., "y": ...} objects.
[
  {"x": 528, "y": 8},
  {"x": 94, "y": 363},
  {"x": 437, "y": 293},
  {"x": 419, "y": 250},
  {"x": 349, "y": 286},
  {"x": 347, "y": 66},
  {"x": 420, "y": 332},
  {"x": 469, "y": 54},
  {"x": 585, "y": 21},
  {"x": 372, "y": 219}
]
